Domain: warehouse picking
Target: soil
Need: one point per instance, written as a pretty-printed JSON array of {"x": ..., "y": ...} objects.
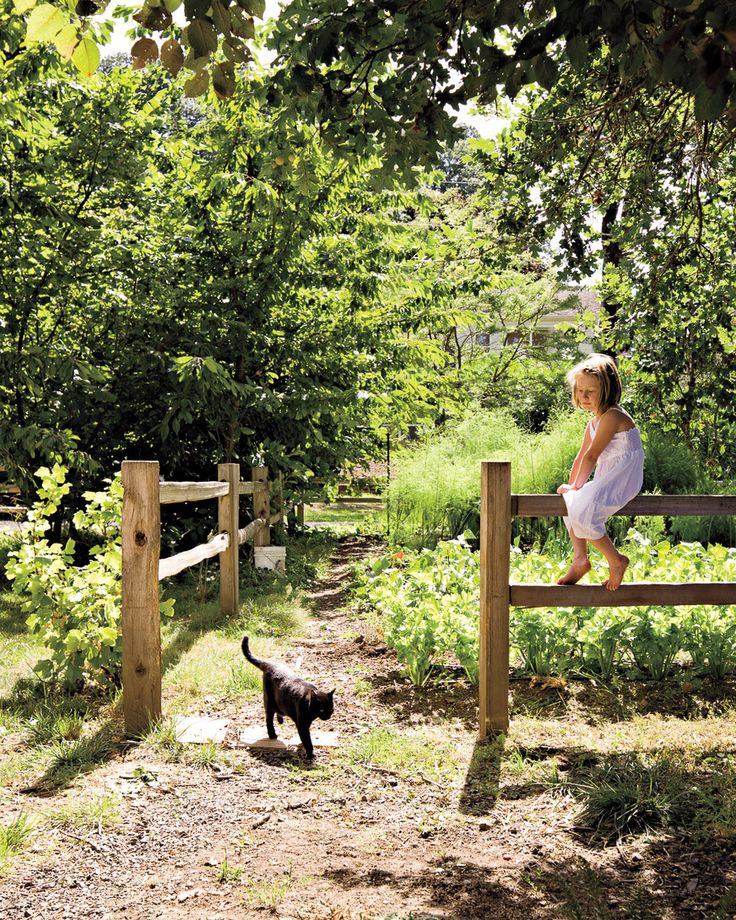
[{"x": 336, "y": 840}]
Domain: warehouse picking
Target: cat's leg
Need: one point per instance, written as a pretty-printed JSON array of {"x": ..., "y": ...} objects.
[
  {"x": 306, "y": 739},
  {"x": 270, "y": 710},
  {"x": 280, "y": 718}
]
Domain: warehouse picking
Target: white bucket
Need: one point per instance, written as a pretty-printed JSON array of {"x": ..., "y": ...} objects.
[{"x": 271, "y": 557}]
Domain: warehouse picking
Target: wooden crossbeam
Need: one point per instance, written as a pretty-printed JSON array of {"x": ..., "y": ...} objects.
[
  {"x": 173, "y": 492},
  {"x": 172, "y": 565},
  {"x": 636, "y": 594},
  {"x": 685, "y": 505}
]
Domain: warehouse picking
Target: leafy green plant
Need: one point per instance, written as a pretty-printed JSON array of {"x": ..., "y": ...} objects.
[
  {"x": 601, "y": 638},
  {"x": 545, "y": 639},
  {"x": 75, "y": 609},
  {"x": 711, "y": 641},
  {"x": 655, "y": 637}
]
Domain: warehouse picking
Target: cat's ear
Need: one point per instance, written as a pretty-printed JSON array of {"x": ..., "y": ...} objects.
[{"x": 332, "y": 692}]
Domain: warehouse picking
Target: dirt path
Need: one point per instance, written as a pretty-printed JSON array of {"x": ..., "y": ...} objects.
[{"x": 354, "y": 835}]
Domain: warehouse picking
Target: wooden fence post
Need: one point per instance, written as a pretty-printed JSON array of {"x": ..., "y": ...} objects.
[
  {"x": 300, "y": 515},
  {"x": 495, "y": 553},
  {"x": 228, "y": 507},
  {"x": 280, "y": 501},
  {"x": 140, "y": 605},
  {"x": 262, "y": 505}
]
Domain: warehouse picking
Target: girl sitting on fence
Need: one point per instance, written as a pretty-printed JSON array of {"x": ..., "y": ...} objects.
[{"x": 612, "y": 446}]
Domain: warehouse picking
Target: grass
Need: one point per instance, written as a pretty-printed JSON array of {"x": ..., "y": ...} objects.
[
  {"x": 359, "y": 514},
  {"x": 408, "y": 754},
  {"x": 99, "y": 813},
  {"x": 227, "y": 873},
  {"x": 267, "y": 894},
  {"x": 14, "y": 837}
]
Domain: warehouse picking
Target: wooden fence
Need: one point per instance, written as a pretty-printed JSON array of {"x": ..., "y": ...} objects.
[
  {"x": 497, "y": 509},
  {"x": 143, "y": 568},
  {"x": 9, "y": 490}
]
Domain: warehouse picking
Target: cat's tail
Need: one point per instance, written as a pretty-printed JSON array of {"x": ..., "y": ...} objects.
[{"x": 246, "y": 651}]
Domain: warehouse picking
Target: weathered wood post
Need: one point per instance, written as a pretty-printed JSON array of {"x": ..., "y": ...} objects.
[
  {"x": 140, "y": 605},
  {"x": 300, "y": 515},
  {"x": 262, "y": 505},
  {"x": 495, "y": 558},
  {"x": 228, "y": 522}
]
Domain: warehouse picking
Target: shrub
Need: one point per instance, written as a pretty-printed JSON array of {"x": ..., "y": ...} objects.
[{"x": 76, "y": 609}]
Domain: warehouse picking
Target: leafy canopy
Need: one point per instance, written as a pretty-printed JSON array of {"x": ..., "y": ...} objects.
[{"x": 387, "y": 71}]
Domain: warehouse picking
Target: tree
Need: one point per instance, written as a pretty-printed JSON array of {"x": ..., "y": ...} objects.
[
  {"x": 195, "y": 289},
  {"x": 386, "y": 72},
  {"x": 646, "y": 200}
]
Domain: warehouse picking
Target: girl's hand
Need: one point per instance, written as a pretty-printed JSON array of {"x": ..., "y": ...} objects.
[{"x": 565, "y": 487}]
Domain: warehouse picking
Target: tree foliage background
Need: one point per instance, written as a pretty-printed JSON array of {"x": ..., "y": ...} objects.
[{"x": 254, "y": 275}]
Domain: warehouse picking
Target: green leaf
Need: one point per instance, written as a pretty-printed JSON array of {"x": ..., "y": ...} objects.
[
  {"x": 254, "y": 7},
  {"x": 709, "y": 103},
  {"x": 45, "y": 23},
  {"x": 198, "y": 84},
  {"x": 86, "y": 57},
  {"x": 21, "y": 6},
  {"x": 201, "y": 37},
  {"x": 66, "y": 41}
]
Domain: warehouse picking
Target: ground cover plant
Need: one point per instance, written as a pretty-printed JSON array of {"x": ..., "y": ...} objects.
[{"x": 428, "y": 603}]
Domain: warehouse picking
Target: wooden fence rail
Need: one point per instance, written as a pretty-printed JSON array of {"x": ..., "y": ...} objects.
[
  {"x": 143, "y": 568},
  {"x": 497, "y": 509}
]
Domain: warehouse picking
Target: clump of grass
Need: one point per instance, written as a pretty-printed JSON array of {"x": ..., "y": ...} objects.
[
  {"x": 162, "y": 739},
  {"x": 98, "y": 813},
  {"x": 52, "y": 725},
  {"x": 628, "y": 796},
  {"x": 205, "y": 756},
  {"x": 406, "y": 754},
  {"x": 227, "y": 873},
  {"x": 268, "y": 893},
  {"x": 67, "y": 759},
  {"x": 14, "y": 837}
]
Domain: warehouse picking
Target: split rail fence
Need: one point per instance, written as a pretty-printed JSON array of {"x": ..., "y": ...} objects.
[
  {"x": 143, "y": 569},
  {"x": 15, "y": 512},
  {"x": 498, "y": 506}
]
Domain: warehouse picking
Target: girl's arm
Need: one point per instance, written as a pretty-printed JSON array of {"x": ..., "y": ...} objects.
[
  {"x": 607, "y": 428},
  {"x": 584, "y": 447}
]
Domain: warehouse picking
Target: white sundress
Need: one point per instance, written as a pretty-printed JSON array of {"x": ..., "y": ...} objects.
[{"x": 618, "y": 477}]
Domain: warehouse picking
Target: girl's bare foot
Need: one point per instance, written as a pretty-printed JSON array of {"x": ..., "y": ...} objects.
[
  {"x": 616, "y": 572},
  {"x": 576, "y": 571}
]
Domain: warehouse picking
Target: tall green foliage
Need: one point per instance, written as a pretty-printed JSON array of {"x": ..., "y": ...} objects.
[
  {"x": 436, "y": 491},
  {"x": 196, "y": 289}
]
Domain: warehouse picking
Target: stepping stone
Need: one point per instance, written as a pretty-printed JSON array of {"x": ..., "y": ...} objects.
[
  {"x": 255, "y": 737},
  {"x": 200, "y": 729}
]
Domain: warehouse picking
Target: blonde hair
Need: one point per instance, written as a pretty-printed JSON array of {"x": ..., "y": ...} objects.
[{"x": 604, "y": 368}]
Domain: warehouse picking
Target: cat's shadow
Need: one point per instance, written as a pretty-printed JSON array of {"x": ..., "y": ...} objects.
[{"x": 289, "y": 757}]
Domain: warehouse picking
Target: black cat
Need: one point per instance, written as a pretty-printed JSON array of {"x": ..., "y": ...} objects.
[{"x": 285, "y": 694}]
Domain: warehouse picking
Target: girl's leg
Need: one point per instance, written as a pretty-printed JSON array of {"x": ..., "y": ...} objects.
[
  {"x": 617, "y": 562},
  {"x": 580, "y": 562}
]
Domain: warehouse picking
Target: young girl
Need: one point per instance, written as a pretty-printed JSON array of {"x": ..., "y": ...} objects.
[{"x": 612, "y": 446}]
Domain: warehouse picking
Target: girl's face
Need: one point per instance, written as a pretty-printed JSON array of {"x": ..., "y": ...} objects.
[{"x": 588, "y": 391}]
